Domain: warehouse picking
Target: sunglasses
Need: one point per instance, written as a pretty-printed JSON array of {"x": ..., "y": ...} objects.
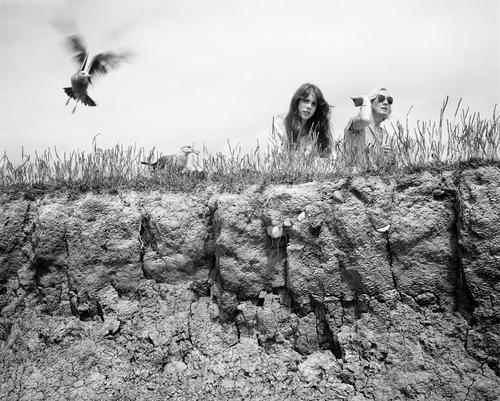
[{"x": 381, "y": 98}]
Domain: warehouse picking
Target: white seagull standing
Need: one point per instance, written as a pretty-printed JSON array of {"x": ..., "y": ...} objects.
[
  {"x": 100, "y": 64},
  {"x": 177, "y": 162}
]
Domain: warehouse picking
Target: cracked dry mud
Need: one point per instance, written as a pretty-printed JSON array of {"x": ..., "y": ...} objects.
[{"x": 156, "y": 296}]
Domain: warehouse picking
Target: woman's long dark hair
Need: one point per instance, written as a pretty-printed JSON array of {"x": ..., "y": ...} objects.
[{"x": 318, "y": 125}]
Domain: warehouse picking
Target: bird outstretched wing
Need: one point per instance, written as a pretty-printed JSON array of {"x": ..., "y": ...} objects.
[
  {"x": 80, "y": 54},
  {"x": 104, "y": 62}
]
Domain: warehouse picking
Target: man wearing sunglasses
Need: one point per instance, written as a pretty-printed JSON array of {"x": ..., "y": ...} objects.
[{"x": 365, "y": 140}]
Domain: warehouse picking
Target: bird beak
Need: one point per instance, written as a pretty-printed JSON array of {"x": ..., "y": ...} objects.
[{"x": 196, "y": 152}]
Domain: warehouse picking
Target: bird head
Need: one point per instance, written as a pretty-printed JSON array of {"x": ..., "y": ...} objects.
[
  {"x": 189, "y": 149},
  {"x": 84, "y": 75}
]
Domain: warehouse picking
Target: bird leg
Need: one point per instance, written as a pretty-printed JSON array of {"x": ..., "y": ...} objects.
[
  {"x": 74, "y": 108},
  {"x": 67, "y": 101}
]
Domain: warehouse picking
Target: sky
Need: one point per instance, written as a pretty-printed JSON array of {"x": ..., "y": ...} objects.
[{"x": 209, "y": 72}]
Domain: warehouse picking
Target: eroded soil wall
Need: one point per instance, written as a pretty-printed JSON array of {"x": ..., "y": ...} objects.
[{"x": 377, "y": 289}]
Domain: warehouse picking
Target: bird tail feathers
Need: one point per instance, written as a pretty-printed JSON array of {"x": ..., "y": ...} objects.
[
  {"x": 87, "y": 100},
  {"x": 69, "y": 92}
]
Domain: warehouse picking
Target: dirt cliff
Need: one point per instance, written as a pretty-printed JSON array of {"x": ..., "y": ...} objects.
[{"x": 369, "y": 288}]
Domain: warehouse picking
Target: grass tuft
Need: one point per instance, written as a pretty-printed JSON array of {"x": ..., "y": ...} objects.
[{"x": 467, "y": 138}]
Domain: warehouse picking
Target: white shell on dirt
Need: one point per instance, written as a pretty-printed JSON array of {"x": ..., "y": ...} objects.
[
  {"x": 275, "y": 232},
  {"x": 384, "y": 229}
]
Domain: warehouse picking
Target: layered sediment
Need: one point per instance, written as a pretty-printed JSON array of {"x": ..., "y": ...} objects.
[{"x": 378, "y": 288}]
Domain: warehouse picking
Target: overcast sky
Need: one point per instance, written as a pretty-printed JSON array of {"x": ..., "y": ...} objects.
[{"x": 208, "y": 71}]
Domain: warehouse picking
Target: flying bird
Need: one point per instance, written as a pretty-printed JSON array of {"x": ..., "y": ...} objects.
[
  {"x": 177, "y": 162},
  {"x": 101, "y": 64}
]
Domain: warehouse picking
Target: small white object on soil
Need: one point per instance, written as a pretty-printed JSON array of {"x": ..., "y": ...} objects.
[{"x": 384, "y": 229}]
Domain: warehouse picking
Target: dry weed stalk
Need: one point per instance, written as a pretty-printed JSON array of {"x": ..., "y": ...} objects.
[{"x": 466, "y": 138}]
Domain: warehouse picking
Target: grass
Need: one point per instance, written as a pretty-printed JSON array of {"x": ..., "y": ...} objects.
[{"x": 466, "y": 138}]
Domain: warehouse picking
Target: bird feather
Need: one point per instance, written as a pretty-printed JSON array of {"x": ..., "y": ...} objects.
[
  {"x": 102, "y": 63},
  {"x": 75, "y": 44}
]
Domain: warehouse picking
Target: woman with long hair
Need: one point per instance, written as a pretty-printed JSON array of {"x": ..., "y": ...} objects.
[{"x": 307, "y": 123}]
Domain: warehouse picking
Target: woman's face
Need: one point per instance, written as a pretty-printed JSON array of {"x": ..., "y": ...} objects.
[
  {"x": 382, "y": 104},
  {"x": 307, "y": 107}
]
